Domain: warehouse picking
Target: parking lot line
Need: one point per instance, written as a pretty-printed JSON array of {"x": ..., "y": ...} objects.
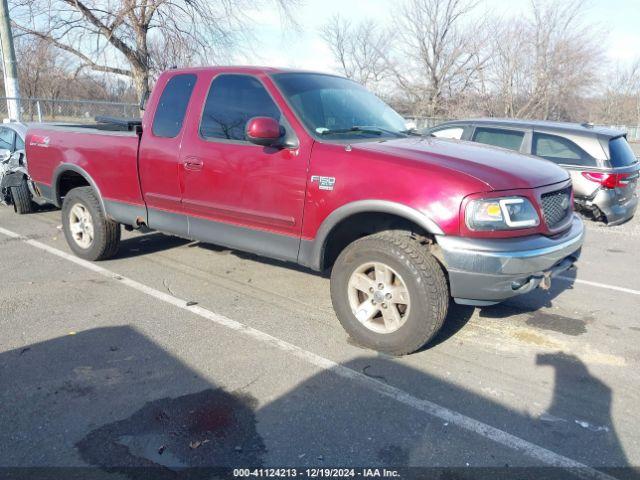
[
  {"x": 451, "y": 416},
  {"x": 600, "y": 285}
]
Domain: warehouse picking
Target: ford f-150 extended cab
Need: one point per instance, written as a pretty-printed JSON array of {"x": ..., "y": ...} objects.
[{"x": 314, "y": 169}]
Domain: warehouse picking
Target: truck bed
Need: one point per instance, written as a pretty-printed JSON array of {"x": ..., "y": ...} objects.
[{"x": 106, "y": 157}]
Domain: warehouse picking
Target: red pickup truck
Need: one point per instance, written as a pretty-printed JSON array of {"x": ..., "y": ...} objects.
[{"x": 314, "y": 169}]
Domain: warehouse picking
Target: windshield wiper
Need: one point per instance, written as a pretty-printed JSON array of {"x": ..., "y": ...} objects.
[
  {"x": 411, "y": 131},
  {"x": 329, "y": 131},
  {"x": 372, "y": 129}
]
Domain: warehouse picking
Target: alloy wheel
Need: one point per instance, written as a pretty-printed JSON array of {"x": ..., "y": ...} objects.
[{"x": 379, "y": 297}]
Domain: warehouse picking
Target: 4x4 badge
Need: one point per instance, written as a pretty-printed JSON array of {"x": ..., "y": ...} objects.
[{"x": 324, "y": 183}]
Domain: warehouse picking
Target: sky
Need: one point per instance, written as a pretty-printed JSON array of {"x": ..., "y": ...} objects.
[{"x": 304, "y": 48}]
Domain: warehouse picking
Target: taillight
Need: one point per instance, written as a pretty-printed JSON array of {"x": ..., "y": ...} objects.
[{"x": 608, "y": 180}]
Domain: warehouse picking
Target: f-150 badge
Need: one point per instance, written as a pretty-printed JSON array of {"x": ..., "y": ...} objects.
[{"x": 324, "y": 183}]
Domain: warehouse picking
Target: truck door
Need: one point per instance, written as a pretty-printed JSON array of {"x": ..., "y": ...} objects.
[
  {"x": 236, "y": 193},
  {"x": 159, "y": 155}
]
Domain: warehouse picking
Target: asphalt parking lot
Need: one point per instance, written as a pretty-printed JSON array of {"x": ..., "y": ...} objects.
[{"x": 178, "y": 354}]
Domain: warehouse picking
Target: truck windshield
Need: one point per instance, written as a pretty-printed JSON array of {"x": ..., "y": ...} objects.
[{"x": 334, "y": 107}]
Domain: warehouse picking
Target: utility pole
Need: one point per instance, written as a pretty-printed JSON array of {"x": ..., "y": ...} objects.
[{"x": 10, "y": 69}]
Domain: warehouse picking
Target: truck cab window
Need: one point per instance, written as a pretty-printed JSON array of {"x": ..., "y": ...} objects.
[
  {"x": 231, "y": 102},
  {"x": 172, "y": 106},
  {"x": 560, "y": 150}
]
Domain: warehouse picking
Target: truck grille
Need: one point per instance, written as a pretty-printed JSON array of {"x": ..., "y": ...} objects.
[{"x": 556, "y": 206}]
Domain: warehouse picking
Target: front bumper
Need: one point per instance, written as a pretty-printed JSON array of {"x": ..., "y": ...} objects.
[{"x": 487, "y": 271}]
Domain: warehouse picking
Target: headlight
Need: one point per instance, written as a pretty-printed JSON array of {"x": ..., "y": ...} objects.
[{"x": 501, "y": 214}]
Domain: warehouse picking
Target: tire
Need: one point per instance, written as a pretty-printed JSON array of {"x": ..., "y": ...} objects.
[
  {"x": 97, "y": 243},
  {"x": 413, "y": 267},
  {"x": 21, "y": 198}
]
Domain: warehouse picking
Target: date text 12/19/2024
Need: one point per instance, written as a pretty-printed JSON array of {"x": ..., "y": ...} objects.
[{"x": 315, "y": 472}]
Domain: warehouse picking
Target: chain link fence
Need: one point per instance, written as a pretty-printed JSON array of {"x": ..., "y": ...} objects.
[
  {"x": 633, "y": 131},
  {"x": 73, "y": 111},
  {"x": 426, "y": 122}
]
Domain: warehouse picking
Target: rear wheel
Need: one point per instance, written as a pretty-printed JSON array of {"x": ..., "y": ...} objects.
[
  {"x": 21, "y": 198},
  {"x": 389, "y": 292},
  {"x": 89, "y": 233}
]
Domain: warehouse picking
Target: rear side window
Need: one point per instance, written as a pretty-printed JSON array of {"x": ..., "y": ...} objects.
[
  {"x": 454, "y": 132},
  {"x": 499, "y": 138},
  {"x": 560, "y": 150},
  {"x": 232, "y": 101},
  {"x": 173, "y": 106},
  {"x": 620, "y": 153}
]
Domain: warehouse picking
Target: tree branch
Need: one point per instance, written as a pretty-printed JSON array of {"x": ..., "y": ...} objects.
[{"x": 87, "y": 61}]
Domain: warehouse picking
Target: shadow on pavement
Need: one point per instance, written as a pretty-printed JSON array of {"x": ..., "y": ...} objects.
[
  {"x": 148, "y": 243},
  {"x": 264, "y": 260},
  {"x": 145, "y": 244},
  {"x": 532, "y": 305},
  {"x": 457, "y": 317},
  {"x": 532, "y": 301},
  {"x": 111, "y": 403}
]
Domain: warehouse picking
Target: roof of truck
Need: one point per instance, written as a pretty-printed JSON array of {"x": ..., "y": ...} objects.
[
  {"x": 244, "y": 69},
  {"x": 563, "y": 126}
]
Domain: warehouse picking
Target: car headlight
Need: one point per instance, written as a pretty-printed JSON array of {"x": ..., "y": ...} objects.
[{"x": 501, "y": 214}]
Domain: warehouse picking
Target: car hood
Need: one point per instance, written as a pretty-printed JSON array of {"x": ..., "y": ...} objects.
[{"x": 498, "y": 168}]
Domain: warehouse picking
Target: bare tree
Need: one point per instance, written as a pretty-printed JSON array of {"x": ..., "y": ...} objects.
[
  {"x": 620, "y": 103},
  {"x": 40, "y": 70},
  {"x": 45, "y": 73},
  {"x": 359, "y": 49},
  {"x": 566, "y": 57},
  {"x": 544, "y": 65},
  {"x": 449, "y": 58},
  {"x": 440, "y": 51},
  {"x": 119, "y": 36},
  {"x": 169, "y": 52},
  {"x": 508, "y": 70}
]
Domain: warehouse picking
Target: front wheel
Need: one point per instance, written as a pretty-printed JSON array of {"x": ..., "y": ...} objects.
[
  {"x": 89, "y": 233},
  {"x": 389, "y": 292}
]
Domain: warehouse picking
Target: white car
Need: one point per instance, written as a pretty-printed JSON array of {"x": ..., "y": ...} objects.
[{"x": 16, "y": 187}]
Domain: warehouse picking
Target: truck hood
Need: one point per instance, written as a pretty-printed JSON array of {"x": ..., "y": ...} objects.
[{"x": 498, "y": 168}]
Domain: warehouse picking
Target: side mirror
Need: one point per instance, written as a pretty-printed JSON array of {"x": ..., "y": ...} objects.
[
  {"x": 265, "y": 131},
  {"x": 4, "y": 154}
]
